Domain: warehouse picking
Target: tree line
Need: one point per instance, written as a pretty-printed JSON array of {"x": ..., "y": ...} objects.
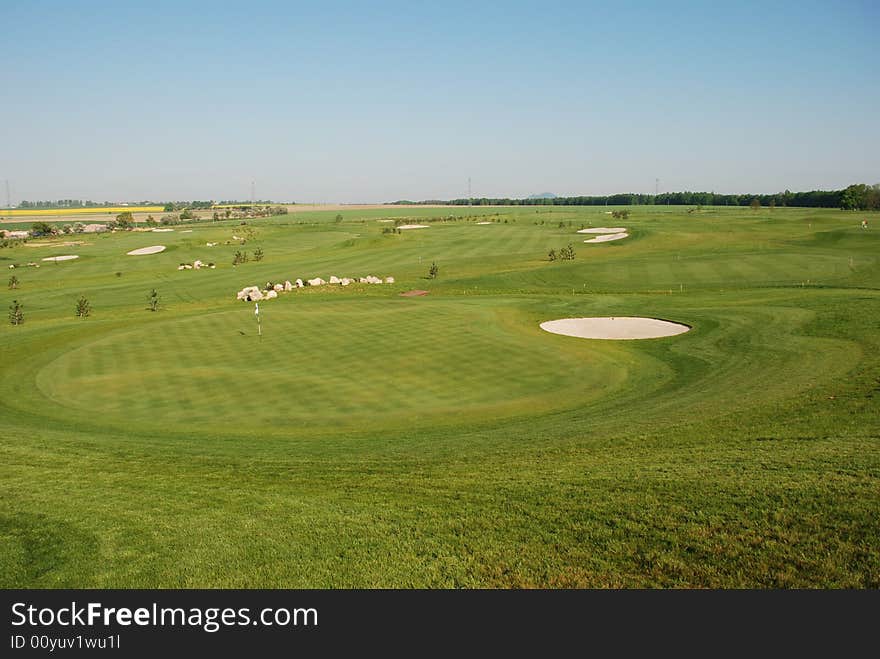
[{"x": 859, "y": 196}]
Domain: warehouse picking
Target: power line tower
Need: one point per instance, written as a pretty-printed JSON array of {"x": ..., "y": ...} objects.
[
  {"x": 253, "y": 185},
  {"x": 470, "y": 194},
  {"x": 8, "y": 200}
]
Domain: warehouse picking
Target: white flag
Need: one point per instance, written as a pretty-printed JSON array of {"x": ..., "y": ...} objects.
[{"x": 256, "y": 309}]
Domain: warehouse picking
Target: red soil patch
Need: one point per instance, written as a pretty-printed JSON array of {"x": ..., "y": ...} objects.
[{"x": 415, "y": 293}]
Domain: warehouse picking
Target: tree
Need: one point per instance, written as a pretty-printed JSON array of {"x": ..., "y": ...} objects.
[
  {"x": 552, "y": 255},
  {"x": 41, "y": 229},
  {"x": 151, "y": 221},
  {"x": 83, "y": 308},
  {"x": 16, "y": 313},
  {"x": 125, "y": 220},
  {"x": 186, "y": 215},
  {"x": 338, "y": 218},
  {"x": 432, "y": 272},
  {"x": 755, "y": 204},
  {"x": 258, "y": 254},
  {"x": 13, "y": 282},
  {"x": 153, "y": 300}
]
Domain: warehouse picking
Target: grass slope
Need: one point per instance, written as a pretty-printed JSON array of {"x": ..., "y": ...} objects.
[{"x": 370, "y": 440}]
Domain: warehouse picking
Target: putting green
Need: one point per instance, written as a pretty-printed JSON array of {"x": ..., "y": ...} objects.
[{"x": 423, "y": 361}]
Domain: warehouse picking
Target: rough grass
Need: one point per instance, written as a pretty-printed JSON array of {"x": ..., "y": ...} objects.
[{"x": 445, "y": 441}]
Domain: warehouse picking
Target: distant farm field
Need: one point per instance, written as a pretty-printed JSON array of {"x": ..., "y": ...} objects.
[
  {"x": 368, "y": 439},
  {"x": 97, "y": 210}
]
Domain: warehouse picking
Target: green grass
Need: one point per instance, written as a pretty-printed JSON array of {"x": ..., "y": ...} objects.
[{"x": 369, "y": 440}]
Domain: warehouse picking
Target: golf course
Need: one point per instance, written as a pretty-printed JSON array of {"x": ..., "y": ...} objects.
[{"x": 426, "y": 432}]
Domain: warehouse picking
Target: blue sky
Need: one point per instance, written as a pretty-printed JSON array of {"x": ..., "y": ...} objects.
[{"x": 369, "y": 102}]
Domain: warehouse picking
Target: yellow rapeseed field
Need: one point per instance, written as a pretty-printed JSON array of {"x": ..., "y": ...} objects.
[{"x": 31, "y": 212}]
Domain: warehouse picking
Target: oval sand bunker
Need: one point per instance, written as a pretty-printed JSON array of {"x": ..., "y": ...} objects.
[
  {"x": 604, "y": 230},
  {"x": 605, "y": 239},
  {"x": 615, "y": 327},
  {"x": 66, "y": 257},
  {"x": 154, "y": 249}
]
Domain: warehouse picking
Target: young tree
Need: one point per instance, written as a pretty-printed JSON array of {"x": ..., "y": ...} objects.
[
  {"x": 153, "y": 300},
  {"x": 339, "y": 218},
  {"x": 13, "y": 282},
  {"x": 16, "y": 313},
  {"x": 125, "y": 220},
  {"x": 433, "y": 271},
  {"x": 83, "y": 308},
  {"x": 755, "y": 204},
  {"x": 552, "y": 255},
  {"x": 258, "y": 254},
  {"x": 151, "y": 221}
]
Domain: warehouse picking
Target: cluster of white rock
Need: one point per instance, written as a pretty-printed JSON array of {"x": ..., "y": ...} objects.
[
  {"x": 271, "y": 291},
  {"x": 196, "y": 265}
]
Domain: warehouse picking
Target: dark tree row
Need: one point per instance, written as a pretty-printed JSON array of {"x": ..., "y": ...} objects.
[{"x": 855, "y": 197}]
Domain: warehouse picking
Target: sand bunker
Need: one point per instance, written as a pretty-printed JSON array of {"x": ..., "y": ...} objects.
[
  {"x": 615, "y": 327},
  {"x": 66, "y": 257},
  {"x": 605, "y": 239},
  {"x": 414, "y": 293},
  {"x": 485, "y": 222},
  {"x": 414, "y": 226},
  {"x": 604, "y": 230},
  {"x": 384, "y": 220},
  {"x": 153, "y": 249},
  {"x": 162, "y": 230}
]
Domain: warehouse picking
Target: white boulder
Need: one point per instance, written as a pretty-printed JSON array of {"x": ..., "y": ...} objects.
[
  {"x": 278, "y": 287},
  {"x": 389, "y": 280},
  {"x": 317, "y": 281},
  {"x": 288, "y": 286},
  {"x": 271, "y": 295},
  {"x": 298, "y": 283},
  {"x": 335, "y": 280}
]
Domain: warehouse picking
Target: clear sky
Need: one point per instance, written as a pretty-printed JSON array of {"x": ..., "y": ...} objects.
[{"x": 377, "y": 101}]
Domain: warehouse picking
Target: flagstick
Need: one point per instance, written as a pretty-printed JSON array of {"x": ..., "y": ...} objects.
[{"x": 259, "y": 321}]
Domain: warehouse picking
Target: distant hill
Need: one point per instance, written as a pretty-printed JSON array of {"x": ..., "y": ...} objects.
[{"x": 543, "y": 195}]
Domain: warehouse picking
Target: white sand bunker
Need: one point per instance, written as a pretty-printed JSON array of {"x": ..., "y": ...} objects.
[
  {"x": 384, "y": 220},
  {"x": 604, "y": 230},
  {"x": 485, "y": 222},
  {"x": 605, "y": 239},
  {"x": 414, "y": 226},
  {"x": 615, "y": 327},
  {"x": 162, "y": 230},
  {"x": 153, "y": 249},
  {"x": 66, "y": 257}
]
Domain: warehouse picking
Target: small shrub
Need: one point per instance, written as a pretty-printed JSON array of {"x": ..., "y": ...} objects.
[
  {"x": 153, "y": 300},
  {"x": 16, "y": 313},
  {"x": 433, "y": 271},
  {"x": 552, "y": 255},
  {"x": 13, "y": 282},
  {"x": 258, "y": 254},
  {"x": 83, "y": 308}
]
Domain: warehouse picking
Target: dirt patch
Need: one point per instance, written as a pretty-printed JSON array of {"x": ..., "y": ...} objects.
[
  {"x": 69, "y": 243},
  {"x": 413, "y": 293}
]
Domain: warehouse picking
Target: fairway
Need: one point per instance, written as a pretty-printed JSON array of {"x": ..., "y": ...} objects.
[{"x": 365, "y": 438}]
